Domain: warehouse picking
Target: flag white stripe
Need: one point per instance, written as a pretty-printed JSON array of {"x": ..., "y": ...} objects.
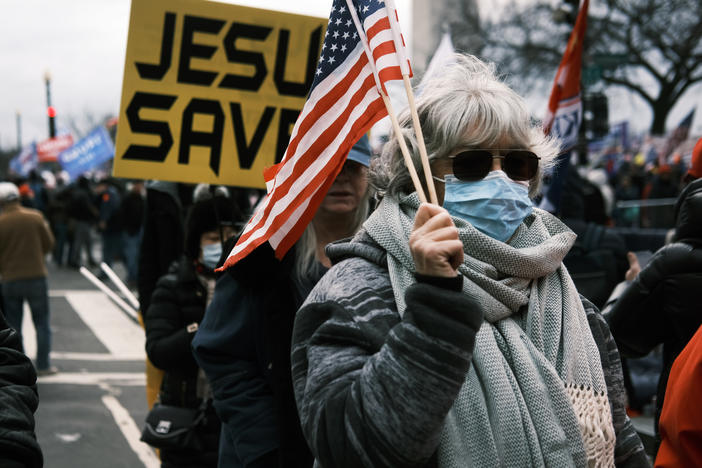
[
  {"x": 387, "y": 61},
  {"x": 374, "y": 18},
  {"x": 282, "y": 204},
  {"x": 380, "y": 38},
  {"x": 280, "y": 235}
]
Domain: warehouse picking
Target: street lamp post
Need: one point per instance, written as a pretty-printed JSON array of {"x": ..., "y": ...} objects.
[
  {"x": 18, "y": 120},
  {"x": 50, "y": 110}
]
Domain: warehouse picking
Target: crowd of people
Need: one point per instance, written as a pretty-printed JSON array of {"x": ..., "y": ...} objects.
[
  {"x": 394, "y": 332},
  {"x": 80, "y": 210}
]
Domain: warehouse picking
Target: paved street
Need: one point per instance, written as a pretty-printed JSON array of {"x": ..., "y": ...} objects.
[{"x": 91, "y": 412}]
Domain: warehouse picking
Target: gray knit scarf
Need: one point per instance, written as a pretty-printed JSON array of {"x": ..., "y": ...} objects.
[{"x": 535, "y": 394}]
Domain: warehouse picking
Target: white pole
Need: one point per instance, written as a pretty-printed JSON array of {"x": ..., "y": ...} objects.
[
  {"x": 115, "y": 298},
  {"x": 120, "y": 285}
]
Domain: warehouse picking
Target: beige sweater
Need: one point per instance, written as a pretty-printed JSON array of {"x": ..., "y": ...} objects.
[{"x": 25, "y": 239}]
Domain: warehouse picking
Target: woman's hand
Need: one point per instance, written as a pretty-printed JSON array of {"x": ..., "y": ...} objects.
[{"x": 434, "y": 242}]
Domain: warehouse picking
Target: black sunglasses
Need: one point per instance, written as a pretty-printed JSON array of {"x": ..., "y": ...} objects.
[{"x": 471, "y": 165}]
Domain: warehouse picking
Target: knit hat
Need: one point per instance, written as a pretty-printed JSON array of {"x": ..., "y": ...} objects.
[
  {"x": 8, "y": 192},
  {"x": 207, "y": 215},
  {"x": 696, "y": 162}
]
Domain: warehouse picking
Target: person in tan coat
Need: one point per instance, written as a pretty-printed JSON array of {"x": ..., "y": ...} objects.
[{"x": 25, "y": 239}]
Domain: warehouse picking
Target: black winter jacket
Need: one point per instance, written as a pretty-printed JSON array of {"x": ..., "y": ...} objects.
[
  {"x": 243, "y": 345},
  {"x": 179, "y": 300},
  {"x": 18, "y": 402},
  {"x": 663, "y": 305},
  {"x": 163, "y": 236}
]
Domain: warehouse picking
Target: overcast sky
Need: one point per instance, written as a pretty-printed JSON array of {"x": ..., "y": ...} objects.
[{"x": 82, "y": 44}]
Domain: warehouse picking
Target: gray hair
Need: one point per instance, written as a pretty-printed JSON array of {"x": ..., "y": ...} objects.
[{"x": 466, "y": 106}]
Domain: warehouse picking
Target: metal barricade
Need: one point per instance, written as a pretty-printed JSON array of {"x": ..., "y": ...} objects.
[{"x": 654, "y": 213}]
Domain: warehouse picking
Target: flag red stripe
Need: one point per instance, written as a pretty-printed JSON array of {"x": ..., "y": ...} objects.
[
  {"x": 390, "y": 73},
  {"x": 307, "y": 158},
  {"x": 383, "y": 49},
  {"x": 379, "y": 26}
]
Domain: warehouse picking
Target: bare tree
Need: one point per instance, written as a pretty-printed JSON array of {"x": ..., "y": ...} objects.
[{"x": 650, "y": 47}]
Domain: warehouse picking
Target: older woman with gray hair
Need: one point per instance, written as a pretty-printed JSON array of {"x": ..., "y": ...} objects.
[{"x": 453, "y": 336}]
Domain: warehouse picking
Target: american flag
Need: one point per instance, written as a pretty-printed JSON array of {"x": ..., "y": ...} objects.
[{"x": 344, "y": 102}]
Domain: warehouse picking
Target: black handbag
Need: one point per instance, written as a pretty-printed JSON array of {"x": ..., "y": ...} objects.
[{"x": 173, "y": 427}]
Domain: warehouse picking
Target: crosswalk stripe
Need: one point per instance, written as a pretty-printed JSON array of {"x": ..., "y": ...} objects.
[
  {"x": 120, "y": 335},
  {"x": 127, "y": 379},
  {"x": 71, "y": 356},
  {"x": 131, "y": 432}
]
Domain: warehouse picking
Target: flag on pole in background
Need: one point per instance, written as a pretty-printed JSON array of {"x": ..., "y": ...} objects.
[
  {"x": 443, "y": 57},
  {"x": 343, "y": 103},
  {"x": 565, "y": 110},
  {"x": 676, "y": 137},
  {"x": 26, "y": 160}
]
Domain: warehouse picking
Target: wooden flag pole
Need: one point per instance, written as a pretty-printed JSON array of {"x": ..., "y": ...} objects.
[
  {"x": 420, "y": 141},
  {"x": 405, "y": 151},
  {"x": 388, "y": 106},
  {"x": 391, "y": 11}
]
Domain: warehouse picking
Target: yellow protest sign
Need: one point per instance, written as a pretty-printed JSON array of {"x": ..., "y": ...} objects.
[{"x": 211, "y": 91}]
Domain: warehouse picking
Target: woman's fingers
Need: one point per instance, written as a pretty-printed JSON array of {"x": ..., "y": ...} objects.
[
  {"x": 434, "y": 242},
  {"x": 428, "y": 212}
]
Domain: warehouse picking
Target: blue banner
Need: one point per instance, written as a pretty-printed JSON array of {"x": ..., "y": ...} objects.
[
  {"x": 25, "y": 161},
  {"x": 90, "y": 152}
]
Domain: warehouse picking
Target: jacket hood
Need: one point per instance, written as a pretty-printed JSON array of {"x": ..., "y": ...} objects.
[
  {"x": 361, "y": 245},
  {"x": 688, "y": 213}
]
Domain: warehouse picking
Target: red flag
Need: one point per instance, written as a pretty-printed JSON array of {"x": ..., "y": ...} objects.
[
  {"x": 343, "y": 104},
  {"x": 564, "y": 112},
  {"x": 48, "y": 150}
]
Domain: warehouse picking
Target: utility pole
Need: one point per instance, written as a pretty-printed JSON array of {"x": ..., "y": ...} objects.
[{"x": 49, "y": 108}]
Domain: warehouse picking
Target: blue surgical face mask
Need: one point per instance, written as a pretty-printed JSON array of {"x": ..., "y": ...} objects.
[
  {"x": 211, "y": 254},
  {"x": 495, "y": 205}
]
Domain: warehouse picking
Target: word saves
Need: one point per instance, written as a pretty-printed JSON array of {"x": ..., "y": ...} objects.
[{"x": 189, "y": 75}]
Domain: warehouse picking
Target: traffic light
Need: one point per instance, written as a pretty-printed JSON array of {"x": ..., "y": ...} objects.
[
  {"x": 596, "y": 115},
  {"x": 52, "y": 121}
]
